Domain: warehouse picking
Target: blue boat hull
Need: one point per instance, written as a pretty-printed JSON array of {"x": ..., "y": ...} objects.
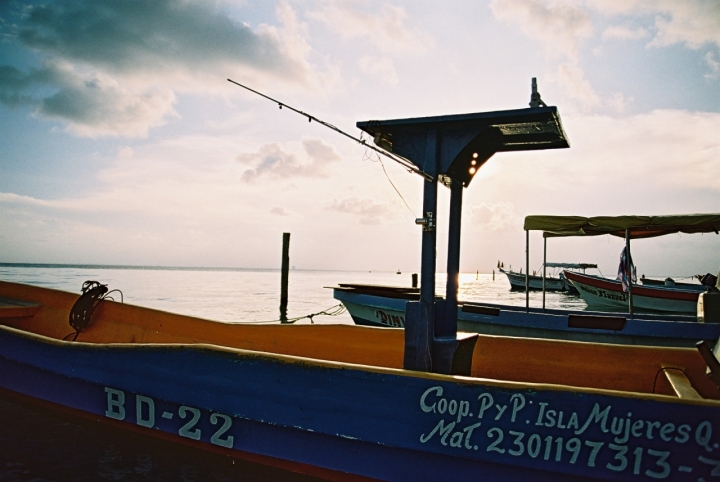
[
  {"x": 377, "y": 423},
  {"x": 597, "y": 327}
]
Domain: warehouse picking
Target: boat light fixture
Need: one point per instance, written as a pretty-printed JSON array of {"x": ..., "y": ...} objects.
[{"x": 465, "y": 140}]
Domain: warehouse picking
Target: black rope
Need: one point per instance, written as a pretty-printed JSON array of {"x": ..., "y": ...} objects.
[
  {"x": 336, "y": 310},
  {"x": 93, "y": 292}
]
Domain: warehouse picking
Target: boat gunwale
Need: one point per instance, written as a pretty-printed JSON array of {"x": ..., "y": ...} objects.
[{"x": 297, "y": 360}]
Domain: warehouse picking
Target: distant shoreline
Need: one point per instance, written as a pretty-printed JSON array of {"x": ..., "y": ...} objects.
[{"x": 150, "y": 268}]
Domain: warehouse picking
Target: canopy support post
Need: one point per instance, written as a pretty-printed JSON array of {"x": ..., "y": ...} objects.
[
  {"x": 449, "y": 325},
  {"x": 544, "y": 267},
  {"x": 527, "y": 271},
  {"x": 628, "y": 270},
  {"x": 420, "y": 317}
]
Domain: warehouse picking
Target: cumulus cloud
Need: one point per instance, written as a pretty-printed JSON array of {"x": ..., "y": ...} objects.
[
  {"x": 690, "y": 22},
  {"x": 149, "y": 36},
  {"x": 561, "y": 27},
  {"x": 272, "y": 161},
  {"x": 573, "y": 81},
  {"x": 661, "y": 151},
  {"x": 623, "y": 33},
  {"x": 112, "y": 68},
  {"x": 385, "y": 28},
  {"x": 93, "y": 103},
  {"x": 713, "y": 65},
  {"x": 370, "y": 212}
]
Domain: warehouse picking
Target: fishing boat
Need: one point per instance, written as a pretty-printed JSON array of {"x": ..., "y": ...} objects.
[
  {"x": 384, "y": 306},
  {"x": 597, "y": 291},
  {"x": 518, "y": 279},
  {"x": 360, "y": 403},
  {"x": 604, "y": 292},
  {"x": 334, "y": 401},
  {"x": 671, "y": 282},
  {"x": 553, "y": 282}
]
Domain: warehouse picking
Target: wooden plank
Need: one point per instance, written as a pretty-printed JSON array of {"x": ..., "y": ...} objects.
[
  {"x": 481, "y": 310},
  {"x": 596, "y": 322},
  {"x": 680, "y": 383}
]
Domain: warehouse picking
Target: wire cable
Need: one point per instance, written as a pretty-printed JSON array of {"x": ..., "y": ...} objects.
[
  {"x": 406, "y": 163},
  {"x": 368, "y": 157}
]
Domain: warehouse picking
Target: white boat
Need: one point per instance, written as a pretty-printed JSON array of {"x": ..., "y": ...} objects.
[
  {"x": 604, "y": 292},
  {"x": 385, "y": 306},
  {"x": 553, "y": 282}
]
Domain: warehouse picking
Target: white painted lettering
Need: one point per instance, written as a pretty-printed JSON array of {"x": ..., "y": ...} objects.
[
  {"x": 468, "y": 433},
  {"x": 518, "y": 402},
  {"x": 424, "y": 406},
  {"x": 148, "y": 402},
  {"x": 115, "y": 404},
  {"x": 486, "y": 401},
  {"x": 683, "y": 434},
  {"x": 542, "y": 412},
  {"x": 596, "y": 416}
]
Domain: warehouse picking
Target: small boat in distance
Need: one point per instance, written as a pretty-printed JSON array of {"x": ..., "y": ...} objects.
[{"x": 553, "y": 282}]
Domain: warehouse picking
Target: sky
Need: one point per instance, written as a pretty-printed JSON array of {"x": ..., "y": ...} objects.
[{"x": 123, "y": 143}]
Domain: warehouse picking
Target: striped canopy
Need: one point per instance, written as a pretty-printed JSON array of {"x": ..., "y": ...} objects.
[{"x": 638, "y": 226}]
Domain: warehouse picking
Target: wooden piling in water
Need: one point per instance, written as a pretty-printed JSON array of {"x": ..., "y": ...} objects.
[{"x": 284, "y": 272}]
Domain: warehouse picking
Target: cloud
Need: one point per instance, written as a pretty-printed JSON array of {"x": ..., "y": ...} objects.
[
  {"x": 113, "y": 68},
  {"x": 279, "y": 211},
  {"x": 561, "y": 27},
  {"x": 272, "y": 161},
  {"x": 690, "y": 22},
  {"x": 573, "y": 81},
  {"x": 369, "y": 211},
  {"x": 379, "y": 67},
  {"x": 631, "y": 161},
  {"x": 92, "y": 104},
  {"x": 385, "y": 28},
  {"x": 623, "y": 33},
  {"x": 156, "y": 36},
  {"x": 494, "y": 216},
  {"x": 714, "y": 66}
]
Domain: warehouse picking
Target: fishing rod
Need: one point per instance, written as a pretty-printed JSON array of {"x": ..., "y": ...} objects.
[{"x": 406, "y": 163}]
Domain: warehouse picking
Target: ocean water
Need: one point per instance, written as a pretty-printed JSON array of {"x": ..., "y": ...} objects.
[
  {"x": 38, "y": 445},
  {"x": 245, "y": 295}
]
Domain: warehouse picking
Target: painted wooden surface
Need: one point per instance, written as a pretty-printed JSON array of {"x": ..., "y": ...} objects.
[
  {"x": 643, "y": 329},
  {"x": 533, "y": 409},
  {"x": 597, "y": 291}
]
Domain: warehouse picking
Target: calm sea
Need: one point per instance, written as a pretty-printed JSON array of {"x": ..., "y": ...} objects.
[{"x": 36, "y": 445}]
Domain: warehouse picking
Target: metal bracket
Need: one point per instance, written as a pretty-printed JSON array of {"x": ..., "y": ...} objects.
[{"x": 428, "y": 222}]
